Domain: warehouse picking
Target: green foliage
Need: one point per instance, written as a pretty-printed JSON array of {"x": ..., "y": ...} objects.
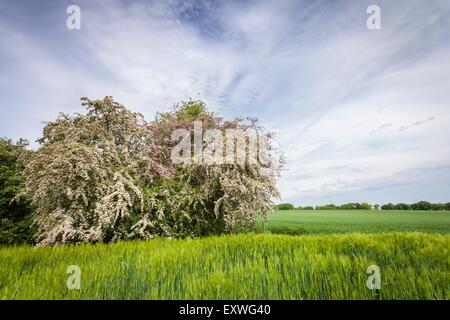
[
  {"x": 388, "y": 206},
  {"x": 246, "y": 266},
  {"x": 15, "y": 212},
  {"x": 347, "y": 206},
  {"x": 365, "y": 206},
  {"x": 288, "y": 230},
  {"x": 84, "y": 180},
  {"x": 285, "y": 206},
  {"x": 107, "y": 175},
  {"x": 177, "y": 209},
  {"x": 327, "y": 207},
  {"x": 190, "y": 199},
  {"x": 402, "y": 206},
  {"x": 187, "y": 111},
  {"x": 421, "y": 206}
]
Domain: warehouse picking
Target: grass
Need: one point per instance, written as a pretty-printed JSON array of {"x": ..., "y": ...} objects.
[
  {"x": 328, "y": 261},
  {"x": 348, "y": 221},
  {"x": 246, "y": 266}
]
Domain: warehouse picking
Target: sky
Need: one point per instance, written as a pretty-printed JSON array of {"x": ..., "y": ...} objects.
[{"x": 362, "y": 115}]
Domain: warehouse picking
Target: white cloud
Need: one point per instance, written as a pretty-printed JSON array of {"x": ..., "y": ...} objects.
[{"x": 354, "y": 107}]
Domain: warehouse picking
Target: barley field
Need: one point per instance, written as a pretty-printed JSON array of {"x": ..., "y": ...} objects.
[{"x": 413, "y": 265}]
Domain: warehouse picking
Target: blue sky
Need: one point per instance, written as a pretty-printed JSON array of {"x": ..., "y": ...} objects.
[{"x": 363, "y": 115}]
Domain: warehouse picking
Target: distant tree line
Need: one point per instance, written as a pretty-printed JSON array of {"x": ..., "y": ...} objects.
[
  {"x": 421, "y": 205},
  {"x": 285, "y": 206}
]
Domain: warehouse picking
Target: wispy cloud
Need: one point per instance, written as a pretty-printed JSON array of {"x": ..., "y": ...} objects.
[
  {"x": 353, "y": 107},
  {"x": 419, "y": 123},
  {"x": 381, "y": 127}
]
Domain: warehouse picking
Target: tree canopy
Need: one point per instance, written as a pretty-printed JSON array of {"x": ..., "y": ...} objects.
[
  {"x": 108, "y": 175},
  {"x": 15, "y": 218}
]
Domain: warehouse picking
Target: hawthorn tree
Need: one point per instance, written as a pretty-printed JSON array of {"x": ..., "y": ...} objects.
[
  {"x": 191, "y": 199},
  {"x": 108, "y": 175},
  {"x": 84, "y": 180}
]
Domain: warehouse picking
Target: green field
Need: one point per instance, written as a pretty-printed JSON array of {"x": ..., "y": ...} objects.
[
  {"x": 411, "y": 249},
  {"x": 247, "y": 266},
  {"x": 345, "y": 221}
]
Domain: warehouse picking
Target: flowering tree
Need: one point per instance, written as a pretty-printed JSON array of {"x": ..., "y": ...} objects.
[
  {"x": 84, "y": 180},
  {"x": 108, "y": 175},
  {"x": 193, "y": 199}
]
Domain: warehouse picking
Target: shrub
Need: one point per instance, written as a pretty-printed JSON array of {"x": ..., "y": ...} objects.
[
  {"x": 288, "y": 230},
  {"x": 15, "y": 212},
  {"x": 422, "y": 205},
  {"x": 327, "y": 207},
  {"x": 84, "y": 180},
  {"x": 285, "y": 206},
  {"x": 402, "y": 206},
  {"x": 388, "y": 206},
  {"x": 190, "y": 199},
  {"x": 107, "y": 175}
]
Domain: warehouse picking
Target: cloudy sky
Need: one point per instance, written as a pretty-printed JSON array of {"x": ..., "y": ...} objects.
[{"x": 363, "y": 115}]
